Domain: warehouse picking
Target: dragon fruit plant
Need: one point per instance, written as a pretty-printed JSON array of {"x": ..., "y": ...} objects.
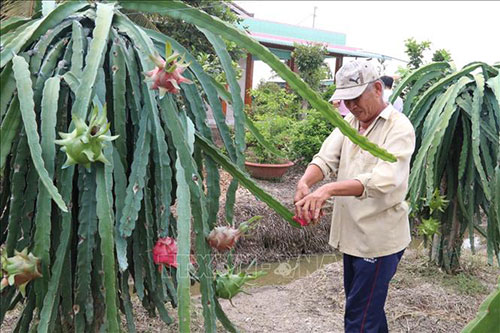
[
  {"x": 224, "y": 238},
  {"x": 19, "y": 270},
  {"x": 85, "y": 143},
  {"x": 98, "y": 236}
]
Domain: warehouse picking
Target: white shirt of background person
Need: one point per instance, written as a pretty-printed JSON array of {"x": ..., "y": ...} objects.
[
  {"x": 398, "y": 103},
  {"x": 388, "y": 81}
]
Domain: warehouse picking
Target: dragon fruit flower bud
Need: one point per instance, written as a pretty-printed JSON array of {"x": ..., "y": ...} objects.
[
  {"x": 228, "y": 285},
  {"x": 19, "y": 270},
  {"x": 85, "y": 143}
]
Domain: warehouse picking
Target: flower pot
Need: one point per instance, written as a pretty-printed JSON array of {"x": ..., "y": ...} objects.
[{"x": 267, "y": 171}]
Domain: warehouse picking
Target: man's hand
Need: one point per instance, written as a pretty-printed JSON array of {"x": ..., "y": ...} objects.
[{"x": 309, "y": 207}]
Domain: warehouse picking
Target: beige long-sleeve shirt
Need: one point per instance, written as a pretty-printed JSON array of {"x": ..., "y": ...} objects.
[{"x": 374, "y": 224}]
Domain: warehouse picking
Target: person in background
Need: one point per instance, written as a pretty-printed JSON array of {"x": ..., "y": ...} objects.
[
  {"x": 388, "y": 81},
  {"x": 370, "y": 216},
  {"x": 340, "y": 105}
]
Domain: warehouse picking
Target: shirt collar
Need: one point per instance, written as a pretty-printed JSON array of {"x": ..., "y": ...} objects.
[{"x": 386, "y": 112}]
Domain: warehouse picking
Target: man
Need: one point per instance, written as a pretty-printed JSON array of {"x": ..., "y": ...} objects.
[
  {"x": 370, "y": 215},
  {"x": 388, "y": 81}
]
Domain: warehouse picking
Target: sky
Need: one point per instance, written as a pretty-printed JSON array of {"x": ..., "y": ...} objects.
[{"x": 469, "y": 30}]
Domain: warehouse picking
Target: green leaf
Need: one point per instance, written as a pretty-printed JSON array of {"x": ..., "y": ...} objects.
[
  {"x": 223, "y": 318},
  {"x": 415, "y": 75},
  {"x": 12, "y": 23},
  {"x": 87, "y": 229},
  {"x": 135, "y": 187},
  {"x": 239, "y": 116},
  {"x": 7, "y": 89},
  {"x": 183, "y": 240},
  {"x": 118, "y": 76},
  {"x": 104, "y": 211},
  {"x": 43, "y": 44},
  {"x": 94, "y": 59},
  {"x": 18, "y": 185},
  {"x": 43, "y": 209},
  {"x": 46, "y": 70},
  {"x": 38, "y": 28},
  {"x": 23, "y": 82},
  {"x": 9, "y": 129},
  {"x": 477, "y": 102},
  {"x": 79, "y": 44},
  {"x": 434, "y": 89},
  {"x": 51, "y": 301}
]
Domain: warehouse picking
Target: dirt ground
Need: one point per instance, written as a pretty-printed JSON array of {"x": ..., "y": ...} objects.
[{"x": 421, "y": 297}]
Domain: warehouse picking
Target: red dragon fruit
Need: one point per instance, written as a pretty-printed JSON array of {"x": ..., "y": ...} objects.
[
  {"x": 303, "y": 222},
  {"x": 165, "y": 252},
  {"x": 167, "y": 76},
  {"x": 19, "y": 269},
  {"x": 224, "y": 238}
]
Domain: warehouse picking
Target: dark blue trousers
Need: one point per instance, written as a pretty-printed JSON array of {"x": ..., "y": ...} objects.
[{"x": 366, "y": 281}]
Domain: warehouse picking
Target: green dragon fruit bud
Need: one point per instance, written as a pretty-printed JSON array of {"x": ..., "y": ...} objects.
[
  {"x": 228, "y": 284},
  {"x": 19, "y": 270},
  {"x": 85, "y": 143}
]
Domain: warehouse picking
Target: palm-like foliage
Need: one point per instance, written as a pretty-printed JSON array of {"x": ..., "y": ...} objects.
[
  {"x": 457, "y": 121},
  {"x": 54, "y": 68}
]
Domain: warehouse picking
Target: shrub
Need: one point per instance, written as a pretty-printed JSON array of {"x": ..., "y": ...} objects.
[
  {"x": 328, "y": 92},
  {"x": 270, "y": 98},
  {"x": 308, "y": 135},
  {"x": 275, "y": 129}
]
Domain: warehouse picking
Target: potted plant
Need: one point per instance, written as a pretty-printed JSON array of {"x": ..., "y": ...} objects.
[{"x": 262, "y": 163}]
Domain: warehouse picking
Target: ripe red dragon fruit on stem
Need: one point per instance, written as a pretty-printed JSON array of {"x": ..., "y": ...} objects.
[
  {"x": 19, "y": 269},
  {"x": 167, "y": 74},
  {"x": 165, "y": 252},
  {"x": 224, "y": 238}
]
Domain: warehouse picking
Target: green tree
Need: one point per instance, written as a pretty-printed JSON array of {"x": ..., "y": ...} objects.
[
  {"x": 310, "y": 60},
  {"x": 415, "y": 52},
  {"x": 441, "y": 55}
]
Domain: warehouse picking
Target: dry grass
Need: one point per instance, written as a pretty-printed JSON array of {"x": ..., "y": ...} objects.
[{"x": 274, "y": 239}]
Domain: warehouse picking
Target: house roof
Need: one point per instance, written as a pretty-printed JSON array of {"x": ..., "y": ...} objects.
[{"x": 280, "y": 38}]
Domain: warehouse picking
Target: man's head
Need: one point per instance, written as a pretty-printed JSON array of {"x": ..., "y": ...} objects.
[
  {"x": 388, "y": 81},
  {"x": 358, "y": 84},
  {"x": 354, "y": 77}
]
